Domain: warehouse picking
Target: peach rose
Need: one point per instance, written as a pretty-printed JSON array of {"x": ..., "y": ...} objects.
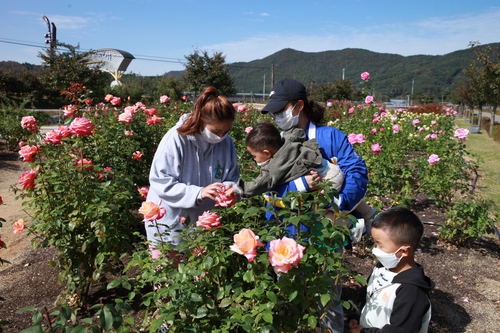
[
  {"x": 245, "y": 243},
  {"x": 208, "y": 220},
  {"x": 18, "y": 226},
  {"x": 152, "y": 211},
  {"x": 285, "y": 253},
  {"x": 125, "y": 117}
]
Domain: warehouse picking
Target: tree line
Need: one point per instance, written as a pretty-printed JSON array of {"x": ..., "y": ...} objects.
[{"x": 426, "y": 79}]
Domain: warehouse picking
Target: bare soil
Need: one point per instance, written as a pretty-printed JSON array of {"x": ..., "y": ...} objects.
[{"x": 466, "y": 298}]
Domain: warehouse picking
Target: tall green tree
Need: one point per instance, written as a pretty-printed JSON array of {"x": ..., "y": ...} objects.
[
  {"x": 203, "y": 70},
  {"x": 65, "y": 64}
]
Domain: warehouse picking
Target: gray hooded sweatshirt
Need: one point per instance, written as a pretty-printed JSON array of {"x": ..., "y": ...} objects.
[{"x": 181, "y": 168}]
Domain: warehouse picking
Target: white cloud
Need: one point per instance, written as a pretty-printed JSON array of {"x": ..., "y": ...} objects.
[
  {"x": 264, "y": 14},
  {"x": 434, "y": 36}
]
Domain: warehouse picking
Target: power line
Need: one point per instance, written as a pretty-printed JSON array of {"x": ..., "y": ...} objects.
[{"x": 140, "y": 57}]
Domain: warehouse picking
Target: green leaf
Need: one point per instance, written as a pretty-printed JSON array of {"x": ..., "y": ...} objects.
[
  {"x": 293, "y": 295},
  {"x": 196, "y": 297},
  {"x": 79, "y": 329},
  {"x": 267, "y": 316},
  {"x": 225, "y": 302},
  {"x": 66, "y": 312},
  {"x": 325, "y": 298},
  {"x": 32, "y": 329},
  {"x": 272, "y": 296},
  {"x": 106, "y": 318},
  {"x": 37, "y": 318},
  {"x": 113, "y": 284},
  {"x": 312, "y": 321},
  {"x": 26, "y": 309}
]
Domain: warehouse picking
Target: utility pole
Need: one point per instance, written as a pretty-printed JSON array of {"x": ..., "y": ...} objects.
[
  {"x": 272, "y": 75},
  {"x": 51, "y": 35},
  {"x": 343, "y": 72},
  {"x": 412, "y": 84},
  {"x": 264, "y": 89}
]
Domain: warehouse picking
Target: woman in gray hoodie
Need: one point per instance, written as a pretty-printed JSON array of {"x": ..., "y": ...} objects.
[{"x": 193, "y": 161}]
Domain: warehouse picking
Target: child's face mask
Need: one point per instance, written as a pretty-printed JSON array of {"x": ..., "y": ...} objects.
[{"x": 388, "y": 260}]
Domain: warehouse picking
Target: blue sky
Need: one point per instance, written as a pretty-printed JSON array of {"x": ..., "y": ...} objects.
[{"x": 245, "y": 30}]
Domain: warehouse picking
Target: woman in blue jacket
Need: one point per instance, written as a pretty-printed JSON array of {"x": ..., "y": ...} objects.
[{"x": 289, "y": 107}]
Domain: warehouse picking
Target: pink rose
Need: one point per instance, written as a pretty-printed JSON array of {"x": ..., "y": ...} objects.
[
  {"x": 129, "y": 133},
  {"x": 150, "y": 111},
  {"x": 351, "y": 110},
  {"x": 27, "y": 179},
  {"x": 360, "y": 138},
  {"x": 152, "y": 211},
  {"x": 355, "y": 138},
  {"x": 64, "y": 131},
  {"x": 164, "y": 99},
  {"x": 143, "y": 191},
  {"x": 399, "y": 110},
  {"x": 365, "y": 76},
  {"x": 373, "y": 131},
  {"x": 285, "y": 253},
  {"x": 433, "y": 159},
  {"x": 18, "y": 226},
  {"x": 69, "y": 110},
  {"x": 396, "y": 128},
  {"x": 29, "y": 123},
  {"x": 433, "y": 123},
  {"x": 248, "y": 130},
  {"x": 81, "y": 127},
  {"x": 415, "y": 122},
  {"x": 53, "y": 137},
  {"x": 28, "y": 153},
  {"x": 329, "y": 104},
  {"x": 461, "y": 134},
  {"x": 84, "y": 164},
  {"x": 368, "y": 99},
  {"x": 153, "y": 120},
  {"x": 242, "y": 108},
  {"x": 184, "y": 98},
  {"x": 208, "y": 220},
  {"x": 222, "y": 200},
  {"x": 376, "y": 120},
  {"x": 245, "y": 243},
  {"x": 108, "y": 98},
  {"x": 376, "y": 148},
  {"x": 125, "y": 117},
  {"x": 116, "y": 101},
  {"x": 137, "y": 155}
]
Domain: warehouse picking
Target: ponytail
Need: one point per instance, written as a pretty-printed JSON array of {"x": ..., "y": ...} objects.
[{"x": 210, "y": 107}]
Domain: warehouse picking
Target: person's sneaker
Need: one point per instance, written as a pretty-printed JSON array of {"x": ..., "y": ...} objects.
[{"x": 357, "y": 231}]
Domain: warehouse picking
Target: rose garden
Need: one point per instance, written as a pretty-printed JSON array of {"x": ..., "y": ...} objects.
[{"x": 86, "y": 195}]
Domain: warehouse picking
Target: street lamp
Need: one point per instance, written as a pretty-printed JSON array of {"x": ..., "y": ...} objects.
[{"x": 51, "y": 35}]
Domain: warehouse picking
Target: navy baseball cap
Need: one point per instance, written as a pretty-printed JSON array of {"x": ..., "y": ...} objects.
[{"x": 282, "y": 92}]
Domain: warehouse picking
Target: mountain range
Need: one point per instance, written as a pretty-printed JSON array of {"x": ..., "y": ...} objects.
[{"x": 392, "y": 75}]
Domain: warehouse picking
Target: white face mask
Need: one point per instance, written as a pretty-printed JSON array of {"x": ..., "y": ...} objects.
[
  {"x": 388, "y": 260},
  {"x": 285, "y": 120},
  {"x": 261, "y": 164},
  {"x": 211, "y": 137}
]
